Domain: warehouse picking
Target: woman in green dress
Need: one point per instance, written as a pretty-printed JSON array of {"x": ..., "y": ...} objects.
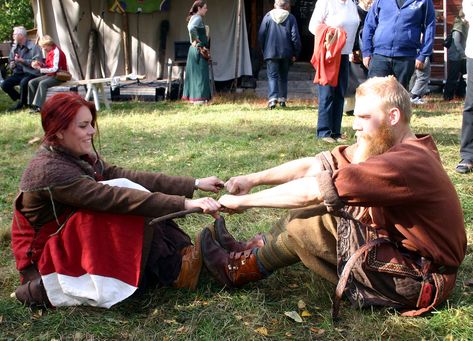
[{"x": 196, "y": 83}]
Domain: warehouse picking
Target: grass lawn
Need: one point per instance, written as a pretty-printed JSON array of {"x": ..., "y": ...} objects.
[{"x": 228, "y": 137}]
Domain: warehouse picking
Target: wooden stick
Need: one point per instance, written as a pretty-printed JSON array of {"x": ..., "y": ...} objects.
[{"x": 175, "y": 215}]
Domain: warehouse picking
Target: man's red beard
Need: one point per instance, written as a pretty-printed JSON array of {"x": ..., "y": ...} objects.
[{"x": 374, "y": 144}]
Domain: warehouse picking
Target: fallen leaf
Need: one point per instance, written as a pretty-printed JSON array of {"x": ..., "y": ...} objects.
[
  {"x": 317, "y": 331},
  {"x": 170, "y": 321},
  {"x": 301, "y": 304},
  {"x": 288, "y": 334},
  {"x": 183, "y": 330},
  {"x": 34, "y": 140},
  {"x": 239, "y": 318},
  {"x": 306, "y": 313},
  {"x": 293, "y": 286},
  {"x": 262, "y": 331},
  {"x": 1, "y": 318},
  {"x": 293, "y": 315},
  {"x": 469, "y": 282},
  {"x": 37, "y": 314}
]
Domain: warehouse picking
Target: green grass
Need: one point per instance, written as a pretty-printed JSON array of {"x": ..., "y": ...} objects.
[{"x": 229, "y": 137}]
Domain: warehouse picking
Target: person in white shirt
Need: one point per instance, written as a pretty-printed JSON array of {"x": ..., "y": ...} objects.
[{"x": 340, "y": 14}]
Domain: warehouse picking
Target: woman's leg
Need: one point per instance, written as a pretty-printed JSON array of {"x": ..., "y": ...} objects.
[
  {"x": 42, "y": 90},
  {"x": 339, "y": 97},
  {"x": 32, "y": 87},
  {"x": 324, "y": 119}
]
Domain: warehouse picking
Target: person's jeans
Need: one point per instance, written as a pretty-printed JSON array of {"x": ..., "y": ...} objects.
[
  {"x": 331, "y": 100},
  {"x": 466, "y": 144},
  {"x": 400, "y": 67},
  {"x": 22, "y": 79},
  {"x": 277, "y": 71},
  {"x": 455, "y": 84},
  {"x": 420, "y": 80},
  {"x": 38, "y": 89}
]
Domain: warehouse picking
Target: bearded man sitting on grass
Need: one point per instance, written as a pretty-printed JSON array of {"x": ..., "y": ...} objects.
[{"x": 381, "y": 217}]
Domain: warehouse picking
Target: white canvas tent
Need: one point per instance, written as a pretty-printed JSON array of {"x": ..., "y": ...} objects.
[{"x": 69, "y": 23}]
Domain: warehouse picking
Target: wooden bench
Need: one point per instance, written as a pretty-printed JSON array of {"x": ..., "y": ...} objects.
[{"x": 96, "y": 87}]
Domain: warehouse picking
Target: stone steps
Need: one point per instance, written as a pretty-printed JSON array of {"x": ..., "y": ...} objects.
[{"x": 300, "y": 82}]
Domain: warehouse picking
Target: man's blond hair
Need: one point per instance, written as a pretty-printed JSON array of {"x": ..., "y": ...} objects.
[{"x": 391, "y": 93}]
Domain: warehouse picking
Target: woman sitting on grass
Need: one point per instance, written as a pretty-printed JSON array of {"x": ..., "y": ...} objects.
[{"x": 80, "y": 232}]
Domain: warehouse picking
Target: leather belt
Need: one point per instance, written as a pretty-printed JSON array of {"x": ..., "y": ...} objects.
[{"x": 342, "y": 282}]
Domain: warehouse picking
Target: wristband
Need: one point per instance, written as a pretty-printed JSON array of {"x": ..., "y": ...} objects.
[{"x": 196, "y": 184}]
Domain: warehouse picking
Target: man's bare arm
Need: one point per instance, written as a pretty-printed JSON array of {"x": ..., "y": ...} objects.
[
  {"x": 286, "y": 172},
  {"x": 294, "y": 194}
]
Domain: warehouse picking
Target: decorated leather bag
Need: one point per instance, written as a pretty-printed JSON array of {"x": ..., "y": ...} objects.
[{"x": 63, "y": 75}]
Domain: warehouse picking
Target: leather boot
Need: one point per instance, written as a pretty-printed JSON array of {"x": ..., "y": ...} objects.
[
  {"x": 33, "y": 293},
  {"x": 226, "y": 240},
  {"x": 232, "y": 269},
  {"x": 191, "y": 266}
]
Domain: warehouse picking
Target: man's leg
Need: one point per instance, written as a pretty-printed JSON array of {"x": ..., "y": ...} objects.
[
  {"x": 380, "y": 66},
  {"x": 466, "y": 144},
  {"x": 403, "y": 68},
  {"x": 9, "y": 84},
  {"x": 460, "y": 89},
  {"x": 283, "y": 73},
  {"x": 452, "y": 79},
  {"x": 272, "y": 70},
  {"x": 306, "y": 234}
]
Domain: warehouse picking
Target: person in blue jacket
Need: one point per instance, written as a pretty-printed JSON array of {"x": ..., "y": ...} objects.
[
  {"x": 281, "y": 44},
  {"x": 397, "y": 37}
]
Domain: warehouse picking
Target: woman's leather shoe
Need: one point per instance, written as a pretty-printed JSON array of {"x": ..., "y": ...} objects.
[
  {"x": 32, "y": 293},
  {"x": 191, "y": 265}
]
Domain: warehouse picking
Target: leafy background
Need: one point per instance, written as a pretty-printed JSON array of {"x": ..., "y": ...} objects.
[{"x": 14, "y": 13}]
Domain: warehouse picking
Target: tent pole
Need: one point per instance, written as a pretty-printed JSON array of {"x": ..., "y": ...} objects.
[
  {"x": 42, "y": 18},
  {"x": 71, "y": 38},
  {"x": 125, "y": 35},
  {"x": 237, "y": 61},
  {"x": 89, "y": 73}
]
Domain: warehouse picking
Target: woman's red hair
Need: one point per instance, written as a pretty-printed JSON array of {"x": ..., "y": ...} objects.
[{"x": 59, "y": 111}]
